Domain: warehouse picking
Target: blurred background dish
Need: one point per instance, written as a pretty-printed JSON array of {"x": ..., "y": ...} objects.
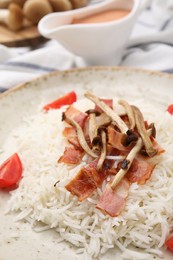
[
  {"x": 19, "y": 19},
  {"x": 97, "y": 41},
  {"x": 25, "y": 37}
]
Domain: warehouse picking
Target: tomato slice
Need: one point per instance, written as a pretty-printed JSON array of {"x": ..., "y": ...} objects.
[
  {"x": 10, "y": 171},
  {"x": 67, "y": 99},
  {"x": 169, "y": 243},
  {"x": 170, "y": 109}
]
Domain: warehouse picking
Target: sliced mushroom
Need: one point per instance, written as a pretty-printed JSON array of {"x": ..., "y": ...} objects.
[
  {"x": 80, "y": 136},
  {"x": 140, "y": 125},
  {"x": 152, "y": 126},
  {"x": 129, "y": 158},
  {"x": 103, "y": 120},
  {"x": 103, "y": 151},
  {"x": 128, "y": 161},
  {"x": 129, "y": 138},
  {"x": 111, "y": 114},
  {"x": 92, "y": 123},
  {"x": 96, "y": 144},
  {"x": 129, "y": 112},
  {"x": 12, "y": 17}
]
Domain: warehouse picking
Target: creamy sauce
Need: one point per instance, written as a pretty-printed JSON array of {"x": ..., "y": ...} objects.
[{"x": 105, "y": 16}]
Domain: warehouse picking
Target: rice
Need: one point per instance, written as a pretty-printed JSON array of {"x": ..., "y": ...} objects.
[{"x": 144, "y": 223}]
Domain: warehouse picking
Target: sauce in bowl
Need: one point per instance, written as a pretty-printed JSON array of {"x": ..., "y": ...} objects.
[{"x": 102, "y": 17}]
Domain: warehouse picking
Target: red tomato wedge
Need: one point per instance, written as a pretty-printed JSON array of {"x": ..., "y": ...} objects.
[
  {"x": 170, "y": 109},
  {"x": 67, "y": 99},
  {"x": 169, "y": 243},
  {"x": 10, "y": 171}
]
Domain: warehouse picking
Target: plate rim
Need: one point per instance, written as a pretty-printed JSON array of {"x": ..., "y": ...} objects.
[{"x": 44, "y": 76}]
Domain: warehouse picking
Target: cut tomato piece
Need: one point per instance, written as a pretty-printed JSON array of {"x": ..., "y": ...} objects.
[
  {"x": 10, "y": 171},
  {"x": 169, "y": 243},
  {"x": 170, "y": 109},
  {"x": 67, "y": 99}
]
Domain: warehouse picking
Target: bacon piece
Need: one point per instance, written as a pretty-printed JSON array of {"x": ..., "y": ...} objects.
[
  {"x": 70, "y": 134},
  {"x": 88, "y": 179},
  {"x": 140, "y": 170},
  {"x": 115, "y": 139},
  {"x": 84, "y": 183},
  {"x": 156, "y": 146},
  {"x": 126, "y": 120},
  {"x": 108, "y": 102},
  {"x": 71, "y": 156},
  {"x": 113, "y": 202},
  {"x": 76, "y": 115}
]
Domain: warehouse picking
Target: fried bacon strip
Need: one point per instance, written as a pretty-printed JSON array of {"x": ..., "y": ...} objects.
[
  {"x": 113, "y": 202},
  {"x": 71, "y": 156},
  {"x": 140, "y": 170},
  {"x": 115, "y": 139},
  {"x": 78, "y": 116},
  {"x": 70, "y": 134},
  {"x": 115, "y": 118},
  {"x": 86, "y": 181}
]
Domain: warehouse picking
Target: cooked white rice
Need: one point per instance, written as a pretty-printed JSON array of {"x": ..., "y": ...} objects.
[{"x": 144, "y": 223}]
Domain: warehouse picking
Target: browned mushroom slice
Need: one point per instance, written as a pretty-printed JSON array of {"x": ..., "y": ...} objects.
[
  {"x": 129, "y": 138},
  {"x": 111, "y": 114},
  {"x": 103, "y": 120},
  {"x": 128, "y": 161},
  {"x": 103, "y": 151},
  {"x": 92, "y": 123},
  {"x": 140, "y": 125},
  {"x": 129, "y": 112},
  {"x": 96, "y": 144},
  {"x": 80, "y": 136},
  {"x": 152, "y": 126}
]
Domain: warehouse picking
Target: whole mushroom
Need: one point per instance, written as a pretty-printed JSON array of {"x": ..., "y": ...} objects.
[
  {"x": 78, "y": 3},
  {"x": 12, "y": 17},
  {"x": 60, "y": 5},
  {"x": 5, "y": 3},
  {"x": 19, "y": 2},
  {"x": 34, "y": 10}
]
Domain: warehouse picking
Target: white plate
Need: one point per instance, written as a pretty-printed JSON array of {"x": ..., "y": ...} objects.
[{"x": 27, "y": 99}]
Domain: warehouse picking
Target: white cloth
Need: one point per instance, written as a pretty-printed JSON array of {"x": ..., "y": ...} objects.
[{"x": 150, "y": 47}]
